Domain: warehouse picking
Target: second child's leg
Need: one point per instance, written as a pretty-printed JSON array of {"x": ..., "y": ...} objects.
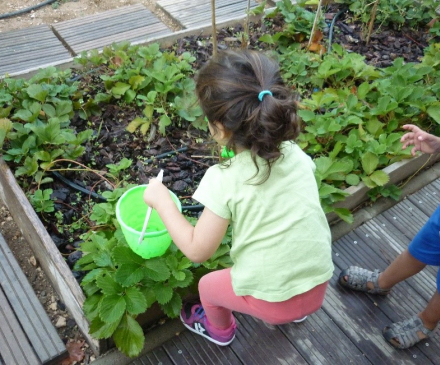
[{"x": 403, "y": 267}]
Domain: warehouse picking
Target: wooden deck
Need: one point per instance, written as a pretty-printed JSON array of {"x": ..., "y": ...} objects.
[
  {"x": 347, "y": 330},
  {"x": 130, "y": 23},
  {"x": 27, "y": 48},
  {"x": 27, "y": 335},
  {"x": 197, "y": 13}
]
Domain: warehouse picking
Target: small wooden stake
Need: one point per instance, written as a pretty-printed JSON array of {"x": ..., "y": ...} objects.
[
  {"x": 214, "y": 31},
  {"x": 372, "y": 19},
  {"x": 315, "y": 24}
]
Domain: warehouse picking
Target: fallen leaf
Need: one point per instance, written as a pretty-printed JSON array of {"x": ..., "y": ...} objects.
[{"x": 76, "y": 353}]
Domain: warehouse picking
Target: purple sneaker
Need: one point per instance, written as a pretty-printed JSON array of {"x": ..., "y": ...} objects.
[{"x": 193, "y": 317}]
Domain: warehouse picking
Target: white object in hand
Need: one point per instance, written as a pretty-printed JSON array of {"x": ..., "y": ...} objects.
[{"x": 147, "y": 217}]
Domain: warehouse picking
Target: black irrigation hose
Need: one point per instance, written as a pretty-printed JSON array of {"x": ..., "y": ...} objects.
[
  {"x": 77, "y": 187},
  {"x": 191, "y": 208},
  {"x": 332, "y": 26},
  {"x": 27, "y": 10}
]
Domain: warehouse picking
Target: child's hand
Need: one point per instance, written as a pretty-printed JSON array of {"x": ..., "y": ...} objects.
[
  {"x": 156, "y": 193},
  {"x": 421, "y": 140}
]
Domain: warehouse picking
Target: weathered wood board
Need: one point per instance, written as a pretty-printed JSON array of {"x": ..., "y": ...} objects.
[
  {"x": 198, "y": 12},
  {"x": 27, "y": 335},
  {"x": 130, "y": 23},
  {"x": 28, "y": 48}
]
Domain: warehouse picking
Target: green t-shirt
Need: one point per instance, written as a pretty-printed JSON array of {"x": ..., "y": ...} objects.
[{"x": 281, "y": 241}]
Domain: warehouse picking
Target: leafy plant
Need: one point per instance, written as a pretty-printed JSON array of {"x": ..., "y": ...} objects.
[
  {"x": 41, "y": 201},
  {"x": 159, "y": 83},
  {"x": 120, "y": 285},
  {"x": 298, "y": 22}
]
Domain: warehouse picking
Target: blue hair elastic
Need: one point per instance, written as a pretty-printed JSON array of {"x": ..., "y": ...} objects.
[{"x": 262, "y": 93}]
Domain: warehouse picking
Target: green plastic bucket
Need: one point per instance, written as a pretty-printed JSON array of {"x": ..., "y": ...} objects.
[{"x": 130, "y": 213}]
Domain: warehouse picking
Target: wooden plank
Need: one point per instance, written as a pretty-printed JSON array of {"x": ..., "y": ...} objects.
[
  {"x": 29, "y": 311},
  {"x": 25, "y": 32},
  {"x": 199, "y": 12},
  {"x": 133, "y": 35},
  {"x": 97, "y": 31},
  {"x": 103, "y": 16},
  {"x": 189, "y": 348},
  {"x": 45, "y": 250},
  {"x": 377, "y": 244},
  {"x": 362, "y": 320},
  {"x": 320, "y": 341},
  {"x": 138, "y": 24},
  {"x": 38, "y": 55},
  {"x": 23, "y": 49},
  {"x": 157, "y": 356},
  {"x": 23, "y": 66},
  {"x": 112, "y": 26},
  {"x": 14, "y": 345},
  {"x": 264, "y": 343},
  {"x": 19, "y": 41}
]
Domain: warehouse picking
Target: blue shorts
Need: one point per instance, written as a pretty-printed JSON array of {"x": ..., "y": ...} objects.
[{"x": 425, "y": 246}]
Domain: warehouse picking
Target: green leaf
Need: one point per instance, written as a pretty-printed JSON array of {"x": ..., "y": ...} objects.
[
  {"x": 37, "y": 92},
  {"x": 108, "y": 285},
  {"x": 369, "y": 162},
  {"x": 352, "y": 179},
  {"x": 434, "y": 112},
  {"x": 99, "y": 329},
  {"x": 112, "y": 308},
  {"x": 125, "y": 255},
  {"x": 344, "y": 214},
  {"x": 136, "y": 302},
  {"x": 267, "y": 38},
  {"x": 157, "y": 269},
  {"x": 119, "y": 89},
  {"x": 129, "y": 274},
  {"x": 172, "y": 308},
  {"x": 129, "y": 337},
  {"x": 91, "y": 306},
  {"x": 104, "y": 259},
  {"x": 163, "y": 293},
  {"x": 380, "y": 178},
  {"x": 164, "y": 121}
]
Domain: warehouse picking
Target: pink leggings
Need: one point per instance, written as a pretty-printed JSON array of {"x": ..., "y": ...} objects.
[{"x": 219, "y": 300}]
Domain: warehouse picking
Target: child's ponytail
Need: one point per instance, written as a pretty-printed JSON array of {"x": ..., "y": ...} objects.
[{"x": 244, "y": 91}]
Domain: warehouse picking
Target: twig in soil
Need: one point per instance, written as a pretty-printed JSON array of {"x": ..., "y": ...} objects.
[
  {"x": 412, "y": 39},
  {"x": 80, "y": 164},
  {"x": 190, "y": 159}
]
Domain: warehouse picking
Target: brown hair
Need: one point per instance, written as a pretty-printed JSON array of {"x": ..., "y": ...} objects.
[{"x": 228, "y": 89}]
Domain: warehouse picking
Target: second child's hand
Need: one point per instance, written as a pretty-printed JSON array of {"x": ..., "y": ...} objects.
[{"x": 421, "y": 140}]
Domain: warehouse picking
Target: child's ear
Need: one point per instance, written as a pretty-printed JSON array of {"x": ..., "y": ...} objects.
[{"x": 223, "y": 133}]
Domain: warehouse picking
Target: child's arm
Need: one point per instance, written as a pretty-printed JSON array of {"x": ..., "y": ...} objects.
[
  {"x": 421, "y": 140},
  {"x": 197, "y": 243}
]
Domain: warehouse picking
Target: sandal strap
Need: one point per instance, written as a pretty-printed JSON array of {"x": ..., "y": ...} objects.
[
  {"x": 404, "y": 334},
  {"x": 358, "y": 278}
]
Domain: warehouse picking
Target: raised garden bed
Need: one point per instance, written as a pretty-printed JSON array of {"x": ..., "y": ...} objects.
[{"x": 47, "y": 252}]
